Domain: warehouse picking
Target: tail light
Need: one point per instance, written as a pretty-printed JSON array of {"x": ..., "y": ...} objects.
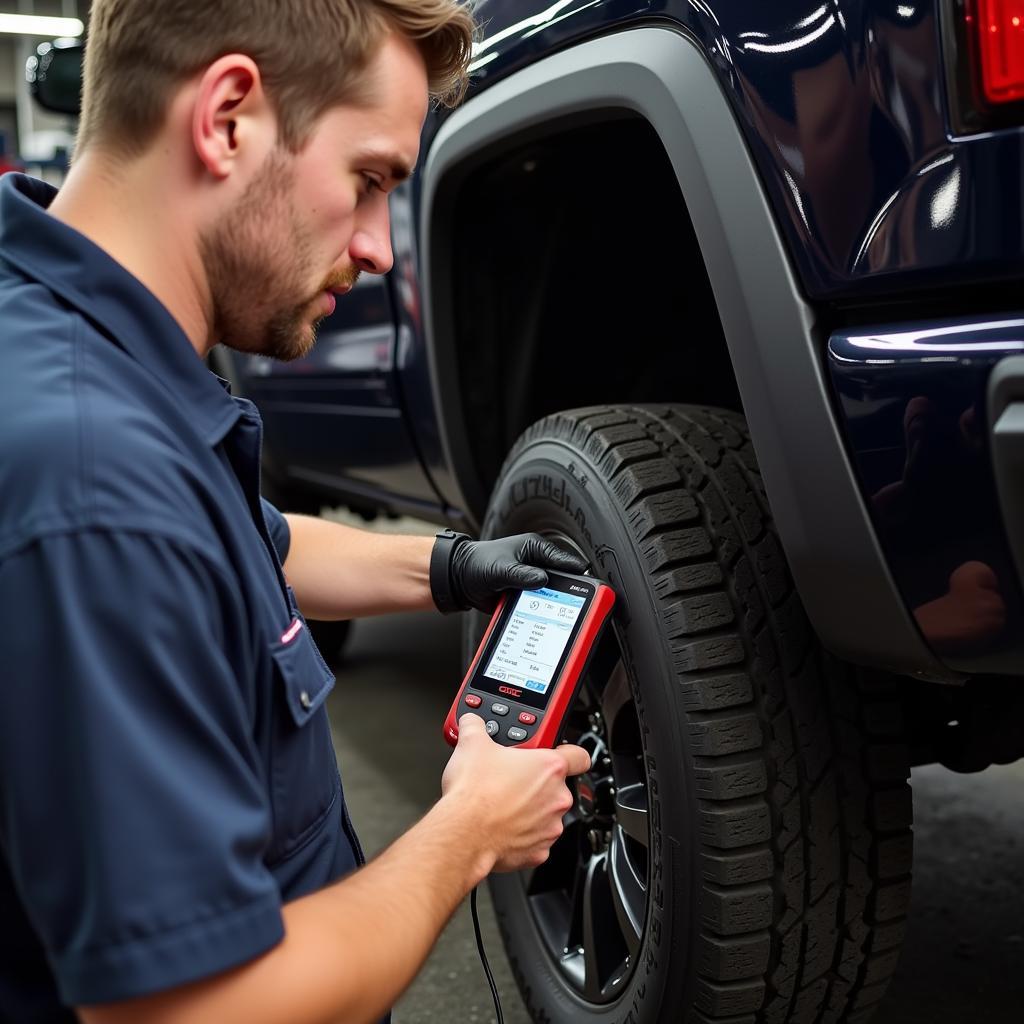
[
  {"x": 999, "y": 35},
  {"x": 983, "y": 47}
]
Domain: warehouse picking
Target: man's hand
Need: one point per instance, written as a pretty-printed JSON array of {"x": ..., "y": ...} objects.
[
  {"x": 475, "y": 573},
  {"x": 517, "y": 797}
]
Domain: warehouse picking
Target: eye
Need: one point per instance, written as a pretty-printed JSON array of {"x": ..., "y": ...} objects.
[{"x": 371, "y": 184}]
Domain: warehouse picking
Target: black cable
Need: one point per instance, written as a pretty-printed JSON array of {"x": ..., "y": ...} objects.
[{"x": 483, "y": 957}]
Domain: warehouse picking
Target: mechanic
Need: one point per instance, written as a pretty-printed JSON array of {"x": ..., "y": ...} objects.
[{"x": 174, "y": 843}]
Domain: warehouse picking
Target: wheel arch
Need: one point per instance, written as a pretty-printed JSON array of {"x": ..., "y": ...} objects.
[{"x": 662, "y": 76}]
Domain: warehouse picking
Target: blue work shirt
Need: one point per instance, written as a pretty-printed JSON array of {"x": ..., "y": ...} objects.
[{"x": 167, "y": 777}]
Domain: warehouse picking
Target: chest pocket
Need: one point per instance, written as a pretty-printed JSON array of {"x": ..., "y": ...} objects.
[{"x": 303, "y": 770}]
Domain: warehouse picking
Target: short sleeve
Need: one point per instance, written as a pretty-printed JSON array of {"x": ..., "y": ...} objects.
[
  {"x": 277, "y": 527},
  {"x": 132, "y": 811}
]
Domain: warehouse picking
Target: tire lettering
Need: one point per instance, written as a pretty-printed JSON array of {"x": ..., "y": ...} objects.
[{"x": 551, "y": 489}]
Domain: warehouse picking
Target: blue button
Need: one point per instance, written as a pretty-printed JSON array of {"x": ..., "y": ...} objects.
[{"x": 532, "y": 684}]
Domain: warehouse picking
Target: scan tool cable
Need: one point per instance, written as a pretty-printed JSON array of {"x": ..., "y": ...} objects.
[{"x": 483, "y": 957}]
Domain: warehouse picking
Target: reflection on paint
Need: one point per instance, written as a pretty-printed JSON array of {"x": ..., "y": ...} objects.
[
  {"x": 914, "y": 422},
  {"x": 945, "y": 201},
  {"x": 793, "y": 44}
]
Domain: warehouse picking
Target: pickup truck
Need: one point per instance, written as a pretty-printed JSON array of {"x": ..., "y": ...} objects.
[{"x": 726, "y": 295}]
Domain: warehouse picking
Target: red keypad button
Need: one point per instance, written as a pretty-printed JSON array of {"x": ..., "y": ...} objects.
[
  {"x": 473, "y": 701},
  {"x": 526, "y": 718}
]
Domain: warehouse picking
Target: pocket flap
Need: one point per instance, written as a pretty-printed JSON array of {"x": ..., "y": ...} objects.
[{"x": 307, "y": 679}]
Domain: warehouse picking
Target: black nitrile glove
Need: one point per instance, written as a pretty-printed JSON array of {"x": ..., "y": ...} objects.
[{"x": 468, "y": 574}]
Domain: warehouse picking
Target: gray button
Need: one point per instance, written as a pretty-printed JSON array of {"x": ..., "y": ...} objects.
[
  {"x": 517, "y": 734},
  {"x": 492, "y": 728},
  {"x": 499, "y": 709},
  {"x": 305, "y": 700}
]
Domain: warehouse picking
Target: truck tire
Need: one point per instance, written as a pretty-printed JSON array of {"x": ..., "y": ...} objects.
[{"x": 741, "y": 850}]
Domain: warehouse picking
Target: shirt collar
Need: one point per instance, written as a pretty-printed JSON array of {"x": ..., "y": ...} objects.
[{"x": 85, "y": 276}]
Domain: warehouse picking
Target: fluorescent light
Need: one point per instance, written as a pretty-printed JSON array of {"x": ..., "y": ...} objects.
[{"x": 31, "y": 25}]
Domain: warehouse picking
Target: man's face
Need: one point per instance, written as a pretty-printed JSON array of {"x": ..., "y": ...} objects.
[{"x": 308, "y": 224}]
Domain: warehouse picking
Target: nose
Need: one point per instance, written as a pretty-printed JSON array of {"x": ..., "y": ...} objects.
[{"x": 370, "y": 248}]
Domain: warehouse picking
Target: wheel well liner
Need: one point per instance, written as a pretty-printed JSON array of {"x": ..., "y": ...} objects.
[{"x": 578, "y": 280}]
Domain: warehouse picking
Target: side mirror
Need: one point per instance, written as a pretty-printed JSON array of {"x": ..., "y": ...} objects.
[{"x": 54, "y": 75}]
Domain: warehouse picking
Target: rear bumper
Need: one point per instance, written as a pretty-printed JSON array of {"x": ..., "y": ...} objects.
[{"x": 914, "y": 411}]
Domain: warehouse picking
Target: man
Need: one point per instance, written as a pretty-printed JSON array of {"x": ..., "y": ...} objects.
[{"x": 172, "y": 826}]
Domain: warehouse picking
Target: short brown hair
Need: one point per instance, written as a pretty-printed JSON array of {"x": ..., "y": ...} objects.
[{"x": 309, "y": 52}]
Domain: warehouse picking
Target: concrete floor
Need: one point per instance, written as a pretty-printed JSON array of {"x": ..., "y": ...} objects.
[{"x": 963, "y": 961}]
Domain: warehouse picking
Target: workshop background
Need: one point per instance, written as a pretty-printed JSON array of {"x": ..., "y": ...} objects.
[{"x": 30, "y": 138}]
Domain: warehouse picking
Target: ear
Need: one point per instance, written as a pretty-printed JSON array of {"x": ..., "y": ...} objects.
[{"x": 231, "y": 115}]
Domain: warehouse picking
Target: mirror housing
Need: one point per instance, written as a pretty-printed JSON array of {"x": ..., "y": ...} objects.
[{"x": 54, "y": 75}]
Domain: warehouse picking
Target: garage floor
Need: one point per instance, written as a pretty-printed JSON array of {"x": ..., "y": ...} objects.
[{"x": 964, "y": 957}]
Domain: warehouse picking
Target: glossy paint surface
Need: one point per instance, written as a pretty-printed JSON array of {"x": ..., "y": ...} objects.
[
  {"x": 844, "y": 108},
  {"x": 913, "y": 410}
]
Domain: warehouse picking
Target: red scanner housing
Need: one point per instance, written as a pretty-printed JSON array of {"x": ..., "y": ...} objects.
[{"x": 499, "y": 684}]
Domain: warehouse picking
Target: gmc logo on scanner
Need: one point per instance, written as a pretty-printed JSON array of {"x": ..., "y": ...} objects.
[{"x": 510, "y": 690}]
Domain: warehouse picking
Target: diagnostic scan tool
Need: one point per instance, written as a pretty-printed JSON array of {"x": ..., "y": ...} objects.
[{"x": 529, "y": 665}]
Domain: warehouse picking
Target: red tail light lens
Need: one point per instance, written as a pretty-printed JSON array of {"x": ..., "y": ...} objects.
[{"x": 1000, "y": 34}]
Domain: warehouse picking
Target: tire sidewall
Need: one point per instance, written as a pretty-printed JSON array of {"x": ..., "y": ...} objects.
[{"x": 549, "y": 486}]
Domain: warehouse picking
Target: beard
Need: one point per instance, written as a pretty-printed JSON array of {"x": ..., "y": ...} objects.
[{"x": 258, "y": 259}]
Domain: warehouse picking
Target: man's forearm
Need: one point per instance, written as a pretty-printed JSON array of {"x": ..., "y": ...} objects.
[
  {"x": 384, "y": 924},
  {"x": 338, "y": 572},
  {"x": 349, "y": 950}
]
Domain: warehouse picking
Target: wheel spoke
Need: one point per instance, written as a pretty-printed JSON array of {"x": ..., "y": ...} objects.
[
  {"x": 570, "y": 820},
  {"x": 555, "y": 894},
  {"x": 616, "y": 695},
  {"x": 629, "y": 895},
  {"x": 576, "y": 904},
  {"x": 554, "y": 873},
  {"x": 605, "y": 953},
  {"x": 631, "y": 812},
  {"x": 596, "y": 881}
]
